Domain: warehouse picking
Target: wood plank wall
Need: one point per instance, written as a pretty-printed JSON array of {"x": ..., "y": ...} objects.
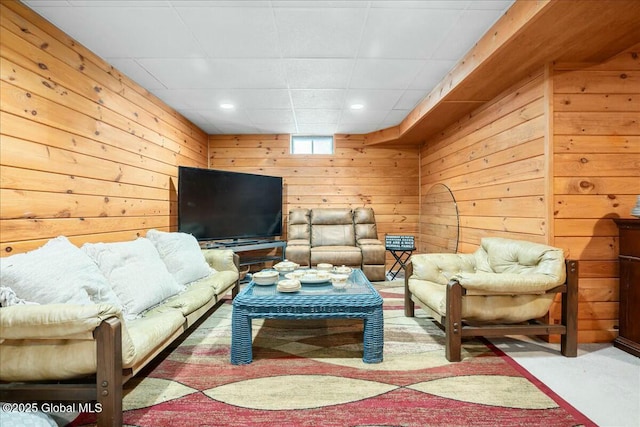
[
  {"x": 85, "y": 152},
  {"x": 494, "y": 163},
  {"x": 596, "y": 133},
  {"x": 384, "y": 178}
]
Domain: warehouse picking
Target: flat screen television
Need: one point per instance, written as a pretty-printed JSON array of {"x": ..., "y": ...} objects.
[{"x": 222, "y": 205}]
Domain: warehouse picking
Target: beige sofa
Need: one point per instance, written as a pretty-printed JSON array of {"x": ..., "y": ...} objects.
[
  {"x": 336, "y": 236},
  {"x": 505, "y": 287},
  {"x": 95, "y": 316}
]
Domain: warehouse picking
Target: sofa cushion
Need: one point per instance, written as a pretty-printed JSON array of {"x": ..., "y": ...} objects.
[
  {"x": 333, "y": 235},
  {"x": 136, "y": 273},
  {"x": 331, "y": 217},
  {"x": 181, "y": 254},
  {"x": 58, "y": 272},
  {"x": 337, "y": 255}
]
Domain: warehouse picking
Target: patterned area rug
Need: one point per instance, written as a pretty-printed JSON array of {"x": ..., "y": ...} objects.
[{"x": 310, "y": 373}]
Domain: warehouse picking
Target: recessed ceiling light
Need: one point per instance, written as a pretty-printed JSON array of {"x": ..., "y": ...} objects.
[
  {"x": 226, "y": 106},
  {"x": 357, "y": 106}
]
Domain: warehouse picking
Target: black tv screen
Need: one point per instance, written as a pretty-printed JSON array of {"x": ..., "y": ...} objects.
[{"x": 221, "y": 205}]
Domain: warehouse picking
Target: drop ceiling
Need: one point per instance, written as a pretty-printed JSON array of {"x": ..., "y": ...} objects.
[{"x": 283, "y": 66}]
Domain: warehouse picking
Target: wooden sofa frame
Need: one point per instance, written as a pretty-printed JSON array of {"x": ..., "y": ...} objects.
[
  {"x": 106, "y": 387},
  {"x": 455, "y": 329}
]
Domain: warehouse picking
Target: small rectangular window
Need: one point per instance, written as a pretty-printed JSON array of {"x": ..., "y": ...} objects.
[{"x": 311, "y": 144}]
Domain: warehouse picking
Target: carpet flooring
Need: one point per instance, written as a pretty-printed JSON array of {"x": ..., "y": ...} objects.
[{"x": 310, "y": 373}]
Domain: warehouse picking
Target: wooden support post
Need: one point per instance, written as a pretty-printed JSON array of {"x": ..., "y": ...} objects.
[
  {"x": 453, "y": 322},
  {"x": 569, "y": 340},
  {"x": 109, "y": 372},
  {"x": 409, "y": 305}
]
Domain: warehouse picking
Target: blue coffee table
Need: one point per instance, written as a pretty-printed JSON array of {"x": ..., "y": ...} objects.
[{"x": 314, "y": 301}]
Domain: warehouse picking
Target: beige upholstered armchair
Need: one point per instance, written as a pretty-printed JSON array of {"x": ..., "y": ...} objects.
[{"x": 504, "y": 288}]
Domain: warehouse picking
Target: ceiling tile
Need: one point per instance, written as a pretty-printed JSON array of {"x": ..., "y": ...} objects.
[
  {"x": 276, "y": 128},
  {"x": 315, "y": 129},
  {"x": 197, "y": 119},
  {"x": 261, "y": 98},
  {"x": 385, "y": 73},
  {"x": 233, "y": 32},
  {"x": 373, "y": 99},
  {"x": 221, "y": 3},
  {"x": 392, "y": 33},
  {"x": 317, "y": 116},
  {"x": 362, "y": 116},
  {"x": 318, "y": 73},
  {"x": 319, "y": 32},
  {"x": 135, "y": 72},
  {"x": 134, "y": 32},
  {"x": 432, "y": 72},
  {"x": 46, "y": 3},
  {"x": 262, "y": 117},
  {"x": 409, "y": 99},
  {"x": 422, "y": 4},
  {"x": 394, "y": 117},
  {"x": 464, "y": 33},
  {"x": 318, "y": 98},
  {"x": 196, "y": 73}
]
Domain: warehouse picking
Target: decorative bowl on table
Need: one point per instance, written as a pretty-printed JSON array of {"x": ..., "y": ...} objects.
[
  {"x": 286, "y": 266},
  {"x": 340, "y": 281},
  {"x": 342, "y": 270},
  {"x": 309, "y": 276},
  {"x": 324, "y": 267},
  {"x": 265, "y": 277},
  {"x": 288, "y": 285}
]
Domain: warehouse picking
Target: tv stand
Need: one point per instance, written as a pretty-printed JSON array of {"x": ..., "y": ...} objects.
[{"x": 238, "y": 246}]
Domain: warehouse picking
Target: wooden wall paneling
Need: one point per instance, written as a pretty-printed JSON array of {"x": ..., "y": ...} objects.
[
  {"x": 383, "y": 178},
  {"x": 493, "y": 161},
  {"x": 85, "y": 152},
  {"x": 596, "y": 176}
]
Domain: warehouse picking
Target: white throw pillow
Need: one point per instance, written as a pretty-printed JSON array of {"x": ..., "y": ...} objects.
[
  {"x": 58, "y": 272},
  {"x": 181, "y": 254},
  {"x": 135, "y": 272}
]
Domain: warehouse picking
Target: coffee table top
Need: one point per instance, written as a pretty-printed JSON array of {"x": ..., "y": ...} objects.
[{"x": 359, "y": 292}]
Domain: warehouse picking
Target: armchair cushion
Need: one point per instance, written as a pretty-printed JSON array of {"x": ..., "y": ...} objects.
[
  {"x": 505, "y": 283},
  {"x": 439, "y": 268},
  {"x": 522, "y": 257}
]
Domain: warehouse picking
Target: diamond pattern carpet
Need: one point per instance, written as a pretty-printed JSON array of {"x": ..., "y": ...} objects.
[{"x": 310, "y": 373}]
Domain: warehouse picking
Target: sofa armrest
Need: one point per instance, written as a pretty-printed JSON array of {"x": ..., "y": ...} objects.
[
  {"x": 479, "y": 283},
  {"x": 220, "y": 259},
  {"x": 54, "y": 321}
]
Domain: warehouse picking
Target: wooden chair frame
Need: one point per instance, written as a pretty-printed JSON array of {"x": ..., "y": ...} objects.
[{"x": 455, "y": 328}]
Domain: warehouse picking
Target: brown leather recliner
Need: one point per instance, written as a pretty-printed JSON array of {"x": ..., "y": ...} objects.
[{"x": 336, "y": 236}]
